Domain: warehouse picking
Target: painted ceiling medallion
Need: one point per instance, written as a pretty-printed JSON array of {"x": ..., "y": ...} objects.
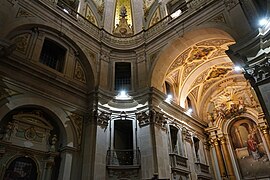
[{"x": 200, "y": 53}]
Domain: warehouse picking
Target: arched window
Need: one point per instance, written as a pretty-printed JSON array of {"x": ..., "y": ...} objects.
[{"x": 21, "y": 168}]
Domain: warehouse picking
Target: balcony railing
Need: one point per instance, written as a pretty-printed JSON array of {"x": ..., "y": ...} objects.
[
  {"x": 178, "y": 161},
  {"x": 123, "y": 157},
  {"x": 145, "y": 36}
]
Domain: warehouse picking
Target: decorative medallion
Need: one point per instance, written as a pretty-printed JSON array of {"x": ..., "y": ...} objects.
[
  {"x": 199, "y": 53},
  {"x": 218, "y": 72},
  {"x": 30, "y": 134}
]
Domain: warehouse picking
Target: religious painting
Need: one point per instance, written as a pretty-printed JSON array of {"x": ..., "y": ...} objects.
[{"x": 249, "y": 150}]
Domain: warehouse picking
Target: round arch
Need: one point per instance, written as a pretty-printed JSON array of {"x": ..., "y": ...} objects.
[
  {"x": 178, "y": 46},
  {"x": 57, "y": 113},
  {"x": 88, "y": 61}
]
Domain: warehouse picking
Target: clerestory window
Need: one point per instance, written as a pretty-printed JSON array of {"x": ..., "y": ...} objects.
[{"x": 53, "y": 55}]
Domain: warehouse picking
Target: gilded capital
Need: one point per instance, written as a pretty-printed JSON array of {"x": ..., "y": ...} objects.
[{"x": 264, "y": 129}]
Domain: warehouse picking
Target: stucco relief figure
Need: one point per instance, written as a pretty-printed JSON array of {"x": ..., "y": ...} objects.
[{"x": 252, "y": 146}]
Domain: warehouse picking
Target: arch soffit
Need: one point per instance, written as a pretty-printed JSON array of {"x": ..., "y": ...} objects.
[
  {"x": 225, "y": 125},
  {"x": 20, "y": 101},
  {"x": 178, "y": 46},
  {"x": 87, "y": 60}
]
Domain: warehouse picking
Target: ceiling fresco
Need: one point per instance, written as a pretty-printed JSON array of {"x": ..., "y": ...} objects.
[{"x": 204, "y": 73}]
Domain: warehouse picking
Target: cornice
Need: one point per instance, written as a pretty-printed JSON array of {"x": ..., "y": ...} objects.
[{"x": 165, "y": 28}]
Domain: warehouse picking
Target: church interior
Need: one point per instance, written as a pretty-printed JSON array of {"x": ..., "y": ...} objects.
[{"x": 134, "y": 89}]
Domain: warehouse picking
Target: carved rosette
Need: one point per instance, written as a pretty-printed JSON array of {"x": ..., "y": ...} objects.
[{"x": 77, "y": 122}]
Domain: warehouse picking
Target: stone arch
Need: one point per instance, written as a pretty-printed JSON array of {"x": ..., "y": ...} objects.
[
  {"x": 61, "y": 117},
  {"x": 87, "y": 60}
]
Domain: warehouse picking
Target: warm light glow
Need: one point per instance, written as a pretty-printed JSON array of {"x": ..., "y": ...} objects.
[
  {"x": 119, "y": 4},
  {"x": 263, "y": 22},
  {"x": 237, "y": 68},
  {"x": 169, "y": 98},
  {"x": 189, "y": 111},
  {"x": 123, "y": 95},
  {"x": 176, "y": 14}
]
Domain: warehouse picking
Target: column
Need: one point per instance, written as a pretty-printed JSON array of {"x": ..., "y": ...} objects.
[
  {"x": 219, "y": 158},
  {"x": 265, "y": 132},
  {"x": 227, "y": 158}
]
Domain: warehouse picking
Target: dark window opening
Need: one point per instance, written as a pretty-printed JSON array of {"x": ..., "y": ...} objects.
[
  {"x": 168, "y": 88},
  {"x": 189, "y": 103},
  {"x": 53, "y": 55},
  {"x": 196, "y": 147},
  {"x": 122, "y": 76},
  {"x": 21, "y": 168},
  {"x": 123, "y": 142},
  {"x": 174, "y": 132}
]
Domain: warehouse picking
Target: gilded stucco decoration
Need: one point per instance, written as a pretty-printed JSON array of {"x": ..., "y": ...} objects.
[
  {"x": 180, "y": 60},
  {"x": 195, "y": 92},
  {"x": 21, "y": 41},
  {"x": 199, "y": 53},
  {"x": 155, "y": 18},
  {"x": 79, "y": 72},
  {"x": 77, "y": 122},
  {"x": 123, "y": 9},
  {"x": 89, "y": 15},
  {"x": 123, "y": 27},
  {"x": 218, "y": 72},
  {"x": 231, "y": 101}
]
